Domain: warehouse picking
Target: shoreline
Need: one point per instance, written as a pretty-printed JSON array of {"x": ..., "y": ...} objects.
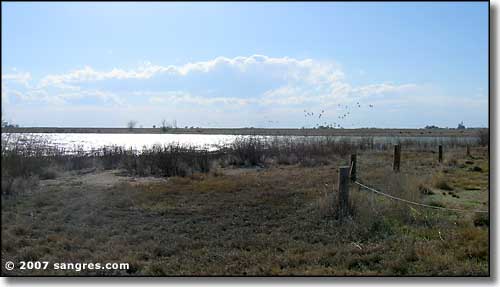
[{"x": 442, "y": 132}]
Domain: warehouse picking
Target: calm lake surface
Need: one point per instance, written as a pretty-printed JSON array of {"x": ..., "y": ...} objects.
[{"x": 89, "y": 141}]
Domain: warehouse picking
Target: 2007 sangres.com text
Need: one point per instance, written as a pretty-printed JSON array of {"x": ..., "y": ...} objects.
[{"x": 42, "y": 265}]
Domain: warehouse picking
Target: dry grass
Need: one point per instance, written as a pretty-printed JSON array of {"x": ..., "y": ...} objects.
[
  {"x": 441, "y": 183},
  {"x": 255, "y": 221}
]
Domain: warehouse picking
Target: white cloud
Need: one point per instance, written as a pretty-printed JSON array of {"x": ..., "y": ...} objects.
[
  {"x": 175, "y": 97},
  {"x": 287, "y": 95},
  {"x": 58, "y": 98},
  {"x": 88, "y": 74},
  {"x": 294, "y": 82},
  {"x": 5, "y": 96},
  {"x": 385, "y": 88},
  {"x": 30, "y": 96},
  {"x": 337, "y": 91},
  {"x": 309, "y": 70},
  {"x": 103, "y": 96},
  {"x": 21, "y": 78}
]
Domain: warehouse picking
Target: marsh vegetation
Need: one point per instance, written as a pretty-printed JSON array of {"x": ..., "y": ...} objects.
[{"x": 253, "y": 207}]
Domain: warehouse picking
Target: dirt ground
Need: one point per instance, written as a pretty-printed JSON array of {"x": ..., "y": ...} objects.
[{"x": 276, "y": 220}]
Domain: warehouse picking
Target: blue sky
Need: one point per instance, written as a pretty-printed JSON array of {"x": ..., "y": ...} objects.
[{"x": 245, "y": 64}]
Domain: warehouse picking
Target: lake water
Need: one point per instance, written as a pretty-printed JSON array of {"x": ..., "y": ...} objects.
[{"x": 91, "y": 141}]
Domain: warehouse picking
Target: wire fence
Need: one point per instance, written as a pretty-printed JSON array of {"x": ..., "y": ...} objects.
[{"x": 415, "y": 203}]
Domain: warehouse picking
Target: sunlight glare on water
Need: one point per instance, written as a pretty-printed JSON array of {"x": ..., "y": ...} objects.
[{"x": 93, "y": 141}]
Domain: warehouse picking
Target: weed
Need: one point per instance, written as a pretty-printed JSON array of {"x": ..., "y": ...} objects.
[
  {"x": 435, "y": 203},
  {"x": 476, "y": 169},
  {"x": 425, "y": 189},
  {"x": 48, "y": 173},
  {"x": 481, "y": 219},
  {"x": 441, "y": 183}
]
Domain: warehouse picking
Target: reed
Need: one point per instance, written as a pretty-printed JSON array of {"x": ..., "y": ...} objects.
[{"x": 31, "y": 156}]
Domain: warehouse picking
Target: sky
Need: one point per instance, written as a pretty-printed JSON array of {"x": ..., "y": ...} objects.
[{"x": 274, "y": 65}]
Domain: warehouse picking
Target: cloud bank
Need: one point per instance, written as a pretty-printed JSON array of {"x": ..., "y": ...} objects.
[
  {"x": 255, "y": 87},
  {"x": 297, "y": 81}
]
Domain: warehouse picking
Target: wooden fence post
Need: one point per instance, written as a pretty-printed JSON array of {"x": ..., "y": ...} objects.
[
  {"x": 397, "y": 158},
  {"x": 353, "y": 167},
  {"x": 468, "y": 151},
  {"x": 343, "y": 199},
  {"x": 440, "y": 153}
]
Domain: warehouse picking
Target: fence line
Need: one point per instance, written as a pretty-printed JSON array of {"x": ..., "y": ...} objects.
[{"x": 417, "y": 203}]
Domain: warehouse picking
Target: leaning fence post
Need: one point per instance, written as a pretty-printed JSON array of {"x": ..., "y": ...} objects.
[
  {"x": 343, "y": 198},
  {"x": 353, "y": 167},
  {"x": 440, "y": 153},
  {"x": 397, "y": 157}
]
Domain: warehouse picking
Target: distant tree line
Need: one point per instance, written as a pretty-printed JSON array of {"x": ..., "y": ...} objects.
[
  {"x": 6, "y": 124},
  {"x": 460, "y": 126}
]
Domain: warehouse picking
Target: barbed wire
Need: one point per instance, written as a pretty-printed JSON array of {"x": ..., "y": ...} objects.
[{"x": 417, "y": 203}]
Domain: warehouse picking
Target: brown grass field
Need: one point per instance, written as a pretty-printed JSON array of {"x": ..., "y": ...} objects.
[{"x": 273, "y": 220}]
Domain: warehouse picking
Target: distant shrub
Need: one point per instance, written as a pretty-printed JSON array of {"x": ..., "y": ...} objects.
[
  {"x": 481, "y": 219},
  {"x": 484, "y": 137},
  {"x": 248, "y": 151},
  {"x": 131, "y": 124},
  {"x": 18, "y": 185},
  {"x": 287, "y": 159},
  {"x": 452, "y": 162},
  {"x": 168, "y": 160},
  {"x": 48, "y": 173},
  {"x": 476, "y": 168}
]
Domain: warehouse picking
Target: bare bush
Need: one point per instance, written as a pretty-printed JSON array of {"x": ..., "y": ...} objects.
[
  {"x": 248, "y": 151},
  {"x": 19, "y": 185},
  {"x": 484, "y": 137},
  {"x": 131, "y": 125}
]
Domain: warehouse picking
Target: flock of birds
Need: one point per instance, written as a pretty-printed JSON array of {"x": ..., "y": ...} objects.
[{"x": 345, "y": 112}]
